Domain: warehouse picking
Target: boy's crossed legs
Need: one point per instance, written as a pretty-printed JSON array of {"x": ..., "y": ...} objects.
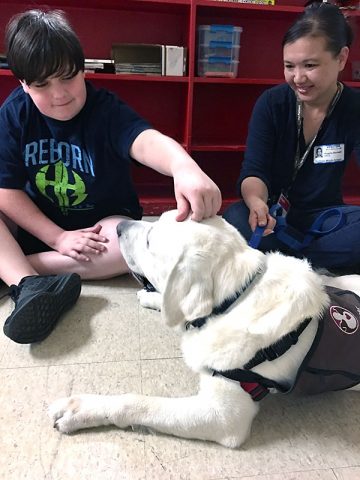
[{"x": 44, "y": 285}]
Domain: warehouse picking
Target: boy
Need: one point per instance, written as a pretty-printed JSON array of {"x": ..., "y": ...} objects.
[{"x": 65, "y": 172}]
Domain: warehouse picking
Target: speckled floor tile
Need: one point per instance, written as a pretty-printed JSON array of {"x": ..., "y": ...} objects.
[
  {"x": 310, "y": 475},
  {"x": 156, "y": 339},
  {"x": 107, "y": 344},
  {"x": 93, "y": 330},
  {"x": 347, "y": 473}
]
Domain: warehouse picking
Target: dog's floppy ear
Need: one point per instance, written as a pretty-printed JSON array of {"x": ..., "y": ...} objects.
[{"x": 188, "y": 291}]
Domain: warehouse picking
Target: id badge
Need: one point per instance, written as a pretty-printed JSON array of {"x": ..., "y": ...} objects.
[{"x": 284, "y": 203}]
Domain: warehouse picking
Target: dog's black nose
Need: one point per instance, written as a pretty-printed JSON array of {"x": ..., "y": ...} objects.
[
  {"x": 120, "y": 227},
  {"x": 123, "y": 226}
]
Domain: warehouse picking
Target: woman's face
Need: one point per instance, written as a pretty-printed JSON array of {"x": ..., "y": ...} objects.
[{"x": 311, "y": 70}]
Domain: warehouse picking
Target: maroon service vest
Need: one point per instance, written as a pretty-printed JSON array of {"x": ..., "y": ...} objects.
[{"x": 333, "y": 361}]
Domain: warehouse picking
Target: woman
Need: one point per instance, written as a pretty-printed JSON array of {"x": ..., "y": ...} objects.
[{"x": 290, "y": 124}]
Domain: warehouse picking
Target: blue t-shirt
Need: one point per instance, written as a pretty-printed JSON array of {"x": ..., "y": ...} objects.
[
  {"x": 272, "y": 143},
  {"x": 77, "y": 171}
]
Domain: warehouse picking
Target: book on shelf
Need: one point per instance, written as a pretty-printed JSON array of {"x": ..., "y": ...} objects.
[
  {"x": 257, "y": 2},
  {"x": 138, "y": 68},
  {"x": 3, "y": 61},
  {"x": 149, "y": 59},
  {"x": 99, "y": 65}
]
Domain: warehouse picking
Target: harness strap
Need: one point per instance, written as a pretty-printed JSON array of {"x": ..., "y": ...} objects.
[
  {"x": 254, "y": 384},
  {"x": 257, "y": 391},
  {"x": 248, "y": 376},
  {"x": 293, "y": 238},
  {"x": 279, "y": 348}
]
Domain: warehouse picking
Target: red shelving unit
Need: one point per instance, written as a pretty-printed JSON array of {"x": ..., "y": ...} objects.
[{"x": 208, "y": 116}]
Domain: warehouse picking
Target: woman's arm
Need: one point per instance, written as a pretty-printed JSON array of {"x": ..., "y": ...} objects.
[{"x": 255, "y": 195}]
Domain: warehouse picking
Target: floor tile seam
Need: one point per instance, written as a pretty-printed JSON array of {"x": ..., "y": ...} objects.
[
  {"x": 343, "y": 467},
  {"x": 302, "y": 470},
  {"x": 146, "y": 359},
  {"x": 281, "y": 473},
  {"x": 69, "y": 364},
  {"x": 4, "y": 368}
]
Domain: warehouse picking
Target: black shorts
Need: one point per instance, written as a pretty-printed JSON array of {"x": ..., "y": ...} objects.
[{"x": 30, "y": 244}]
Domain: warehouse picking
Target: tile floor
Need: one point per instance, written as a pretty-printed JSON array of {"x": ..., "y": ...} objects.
[{"x": 108, "y": 344}]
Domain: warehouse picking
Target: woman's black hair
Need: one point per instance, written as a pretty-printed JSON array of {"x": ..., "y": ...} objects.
[
  {"x": 42, "y": 44},
  {"x": 322, "y": 19}
]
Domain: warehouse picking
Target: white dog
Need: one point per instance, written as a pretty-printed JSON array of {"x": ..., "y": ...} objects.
[{"x": 249, "y": 321}]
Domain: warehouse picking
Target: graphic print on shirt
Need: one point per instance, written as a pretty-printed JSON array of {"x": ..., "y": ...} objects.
[{"x": 59, "y": 176}]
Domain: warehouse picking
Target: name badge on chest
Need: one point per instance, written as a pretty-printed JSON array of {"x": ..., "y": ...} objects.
[{"x": 329, "y": 153}]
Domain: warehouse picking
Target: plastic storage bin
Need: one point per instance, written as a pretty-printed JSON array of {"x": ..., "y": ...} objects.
[
  {"x": 218, "y": 49},
  {"x": 219, "y": 33},
  {"x": 218, "y": 67}
]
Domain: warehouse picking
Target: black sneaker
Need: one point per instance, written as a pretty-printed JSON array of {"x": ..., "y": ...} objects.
[{"x": 39, "y": 302}]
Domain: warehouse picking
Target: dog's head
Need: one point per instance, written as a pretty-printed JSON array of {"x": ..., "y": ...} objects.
[{"x": 193, "y": 265}]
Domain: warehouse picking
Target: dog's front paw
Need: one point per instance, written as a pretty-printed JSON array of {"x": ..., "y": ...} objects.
[
  {"x": 149, "y": 299},
  {"x": 74, "y": 413}
]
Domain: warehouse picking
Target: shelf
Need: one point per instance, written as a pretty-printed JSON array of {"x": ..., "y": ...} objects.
[
  {"x": 218, "y": 148},
  {"x": 239, "y": 81},
  {"x": 135, "y": 78},
  {"x": 248, "y": 6},
  {"x": 121, "y": 77},
  {"x": 135, "y": 5},
  {"x": 155, "y": 206},
  {"x": 198, "y": 80}
]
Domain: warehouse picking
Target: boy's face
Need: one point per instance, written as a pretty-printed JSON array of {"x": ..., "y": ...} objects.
[{"x": 60, "y": 98}]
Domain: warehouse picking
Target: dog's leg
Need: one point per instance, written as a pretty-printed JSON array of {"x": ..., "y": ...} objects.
[
  {"x": 221, "y": 412},
  {"x": 149, "y": 299}
]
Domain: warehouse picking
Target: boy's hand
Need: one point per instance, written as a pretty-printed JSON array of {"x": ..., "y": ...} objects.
[
  {"x": 78, "y": 244},
  {"x": 195, "y": 192}
]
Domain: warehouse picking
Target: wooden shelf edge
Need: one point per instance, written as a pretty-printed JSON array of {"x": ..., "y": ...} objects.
[
  {"x": 135, "y": 78},
  {"x": 249, "y": 6},
  {"x": 108, "y": 4},
  {"x": 196, "y": 80},
  {"x": 157, "y": 206},
  {"x": 120, "y": 77},
  {"x": 239, "y": 81},
  {"x": 218, "y": 148}
]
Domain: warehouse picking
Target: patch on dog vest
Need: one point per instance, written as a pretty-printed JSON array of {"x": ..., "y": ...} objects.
[{"x": 333, "y": 361}]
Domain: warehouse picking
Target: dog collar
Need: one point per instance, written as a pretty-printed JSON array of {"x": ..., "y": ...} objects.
[{"x": 199, "y": 322}]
